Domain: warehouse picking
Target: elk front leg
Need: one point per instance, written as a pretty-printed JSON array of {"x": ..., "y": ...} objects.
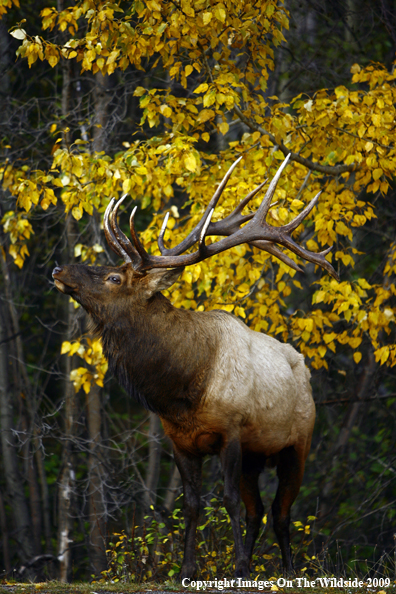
[
  {"x": 190, "y": 468},
  {"x": 250, "y": 494},
  {"x": 290, "y": 472},
  {"x": 231, "y": 460}
]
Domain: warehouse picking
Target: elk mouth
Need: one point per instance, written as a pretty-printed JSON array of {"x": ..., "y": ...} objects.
[{"x": 63, "y": 287}]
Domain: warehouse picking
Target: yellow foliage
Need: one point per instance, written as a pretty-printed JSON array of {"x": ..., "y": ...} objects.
[
  {"x": 330, "y": 128},
  {"x": 90, "y": 350}
]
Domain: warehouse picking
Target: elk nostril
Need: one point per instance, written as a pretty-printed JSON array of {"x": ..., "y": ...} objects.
[{"x": 56, "y": 270}]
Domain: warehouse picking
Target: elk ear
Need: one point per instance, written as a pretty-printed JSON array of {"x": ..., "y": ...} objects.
[{"x": 160, "y": 279}]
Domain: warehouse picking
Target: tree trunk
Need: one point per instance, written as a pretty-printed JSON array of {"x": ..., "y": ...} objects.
[
  {"x": 46, "y": 512},
  {"x": 35, "y": 500},
  {"x": 4, "y": 536},
  {"x": 97, "y": 495},
  {"x": 22, "y": 386},
  {"x": 154, "y": 459},
  {"x": 15, "y": 488},
  {"x": 362, "y": 388},
  {"x": 96, "y": 472},
  {"x": 172, "y": 489},
  {"x": 65, "y": 518},
  {"x": 101, "y": 114},
  {"x": 66, "y": 513}
]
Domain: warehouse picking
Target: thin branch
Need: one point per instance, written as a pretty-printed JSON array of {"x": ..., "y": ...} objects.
[
  {"x": 348, "y": 400},
  {"x": 327, "y": 169},
  {"x": 363, "y": 138}
]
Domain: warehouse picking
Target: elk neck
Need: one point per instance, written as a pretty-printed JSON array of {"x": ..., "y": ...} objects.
[{"x": 161, "y": 355}]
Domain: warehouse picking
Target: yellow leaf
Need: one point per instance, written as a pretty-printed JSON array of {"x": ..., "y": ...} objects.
[
  {"x": 165, "y": 110},
  {"x": 220, "y": 14},
  {"x": 363, "y": 283},
  {"x": 309, "y": 325},
  {"x": 385, "y": 355},
  {"x": 205, "y": 115},
  {"x": 202, "y": 88},
  {"x": 190, "y": 162},
  {"x": 74, "y": 348},
  {"x": 206, "y": 17},
  {"x": 77, "y": 213},
  {"x": 65, "y": 347},
  {"x": 87, "y": 387},
  {"x": 126, "y": 186},
  {"x": 377, "y": 173},
  {"x": 223, "y": 127},
  {"x": 357, "y": 356},
  {"x": 18, "y": 33},
  {"x": 328, "y": 337}
]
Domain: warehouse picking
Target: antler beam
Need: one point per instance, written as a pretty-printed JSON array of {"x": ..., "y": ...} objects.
[{"x": 256, "y": 232}]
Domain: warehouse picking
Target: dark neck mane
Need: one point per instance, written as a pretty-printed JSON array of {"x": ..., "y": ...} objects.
[{"x": 161, "y": 355}]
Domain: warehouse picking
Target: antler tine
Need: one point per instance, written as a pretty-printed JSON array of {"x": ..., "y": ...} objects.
[
  {"x": 122, "y": 240},
  {"x": 202, "y": 245},
  {"x": 299, "y": 218},
  {"x": 110, "y": 235},
  {"x": 194, "y": 235},
  {"x": 223, "y": 184},
  {"x": 269, "y": 247},
  {"x": 234, "y": 220},
  {"x": 315, "y": 257},
  {"x": 162, "y": 233},
  {"x": 145, "y": 260},
  {"x": 262, "y": 212}
]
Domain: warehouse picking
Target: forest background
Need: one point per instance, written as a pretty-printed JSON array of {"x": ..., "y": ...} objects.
[{"x": 156, "y": 99}]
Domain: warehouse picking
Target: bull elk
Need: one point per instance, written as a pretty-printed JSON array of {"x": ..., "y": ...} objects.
[{"x": 218, "y": 387}]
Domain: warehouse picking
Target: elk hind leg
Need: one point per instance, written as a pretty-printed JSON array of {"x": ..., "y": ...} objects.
[
  {"x": 231, "y": 460},
  {"x": 250, "y": 494},
  {"x": 290, "y": 472},
  {"x": 190, "y": 468}
]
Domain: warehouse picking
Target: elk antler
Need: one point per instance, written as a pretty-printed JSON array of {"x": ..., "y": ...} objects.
[{"x": 257, "y": 233}]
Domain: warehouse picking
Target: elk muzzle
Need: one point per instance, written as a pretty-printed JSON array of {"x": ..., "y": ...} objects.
[{"x": 62, "y": 283}]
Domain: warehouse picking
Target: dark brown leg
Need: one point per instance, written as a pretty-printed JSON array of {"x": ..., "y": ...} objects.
[
  {"x": 190, "y": 468},
  {"x": 290, "y": 473},
  {"x": 254, "y": 509},
  {"x": 231, "y": 460}
]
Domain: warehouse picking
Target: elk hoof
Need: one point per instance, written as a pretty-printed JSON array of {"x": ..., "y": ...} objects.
[
  {"x": 242, "y": 569},
  {"x": 187, "y": 572}
]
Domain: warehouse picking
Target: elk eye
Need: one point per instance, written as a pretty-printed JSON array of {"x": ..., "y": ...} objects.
[{"x": 115, "y": 279}]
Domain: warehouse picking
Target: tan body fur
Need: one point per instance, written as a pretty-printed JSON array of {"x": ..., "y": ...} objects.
[{"x": 259, "y": 393}]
